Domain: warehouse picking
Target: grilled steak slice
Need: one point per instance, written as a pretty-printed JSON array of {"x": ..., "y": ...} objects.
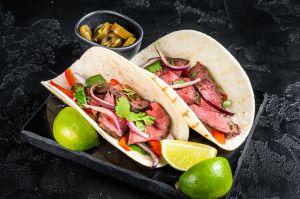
[
  {"x": 94, "y": 103},
  {"x": 138, "y": 104},
  {"x": 135, "y": 138},
  {"x": 169, "y": 77},
  {"x": 101, "y": 89},
  {"x": 109, "y": 98},
  {"x": 215, "y": 119},
  {"x": 161, "y": 126},
  {"x": 165, "y": 70},
  {"x": 108, "y": 126},
  {"x": 188, "y": 94},
  {"x": 206, "y": 86},
  {"x": 116, "y": 91}
]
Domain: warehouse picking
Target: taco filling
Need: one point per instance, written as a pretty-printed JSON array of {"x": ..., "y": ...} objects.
[
  {"x": 138, "y": 124},
  {"x": 199, "y": 91}
]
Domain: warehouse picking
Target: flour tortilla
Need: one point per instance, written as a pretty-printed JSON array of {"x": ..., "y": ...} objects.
[
  {"x": 224, "y": 68},
  {"x": 110, "y": 65}
]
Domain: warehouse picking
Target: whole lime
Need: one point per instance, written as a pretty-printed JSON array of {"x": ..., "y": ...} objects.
[
  {"x": 211, "y": 178},
  {"x": 73, "y": 131}
]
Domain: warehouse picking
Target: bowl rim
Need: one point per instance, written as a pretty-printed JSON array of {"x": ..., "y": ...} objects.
[{"x": 76, "y": 29}]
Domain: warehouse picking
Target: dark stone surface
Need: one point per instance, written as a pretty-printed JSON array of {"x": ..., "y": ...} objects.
[{"x": 263, "y": 35}]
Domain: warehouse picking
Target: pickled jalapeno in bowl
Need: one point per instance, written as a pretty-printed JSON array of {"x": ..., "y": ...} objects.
[
  {"x": 108, "y": 34},
  {"x": 111, "y": 30}
]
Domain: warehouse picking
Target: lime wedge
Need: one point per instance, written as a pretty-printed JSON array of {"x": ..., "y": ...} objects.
[{"x": 182, "y": 155}]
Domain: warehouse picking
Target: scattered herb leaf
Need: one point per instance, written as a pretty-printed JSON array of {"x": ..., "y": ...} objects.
[
  {"x": 122, "y": 107},
  {"x": 123, "y": 111},
  {"x": 171, "y": 61},
  {"x": 179, "y": 81},
  {"x": 226, "y": 104},
  {"x": 155, "y": 67},
  {"x": 140, "y": 126},
  {"x": 129, "y": 93},
  {"x": 194, "y": 74},
  {"x": 197, "y": 97}
]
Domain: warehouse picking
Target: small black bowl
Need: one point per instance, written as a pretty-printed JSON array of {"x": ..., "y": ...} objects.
[{"x": 96, "y": 18}]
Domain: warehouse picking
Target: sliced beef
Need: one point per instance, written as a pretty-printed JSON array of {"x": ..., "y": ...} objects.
[
  {"x": 180, "y": 62},
  {"x": 176, "y": 72},
  {"x": 116, "y": 91},
  {"x": 138, "y": 104},
  {"x": 188, "y": 94},
  {"x": 165, "y": 70},
  {"x": 135, "y": 138},
  {"x": 102, "y": 89},
  {"x": 169, "y": 77},
  {"x": 94, "y": 103},
  {"x": 207, "y": 86},
  {"x": 160, "y": 72},
  {"x": 215, "y": 119},
  {"x": 109, "y": 98},
  {"x": 161, "y": 126},
  {"x": 107, "y": 124}
]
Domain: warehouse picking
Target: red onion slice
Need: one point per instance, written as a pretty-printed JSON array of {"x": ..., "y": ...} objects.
[
  {"x": 186, "y": 84},
  {"x": 213, "y": 105},
  {"x": 100, "y": 101},
  {"x": 153, "y": 156},
  {"x": 79, "y": 78},
  {"x": 165, "y": 61},
  {"x": 137, "y": 131},
  {"x": 150, "y": 61},
  {"x": 109, "y": 113}
]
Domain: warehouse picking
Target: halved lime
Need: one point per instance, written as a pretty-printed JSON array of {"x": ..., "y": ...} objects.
[{"x": 182, "y": 155}]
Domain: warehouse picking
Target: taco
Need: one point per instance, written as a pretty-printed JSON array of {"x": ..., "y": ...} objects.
[
  {"x": 122, "y": 103},
  {"x": 207, "y": 84}
]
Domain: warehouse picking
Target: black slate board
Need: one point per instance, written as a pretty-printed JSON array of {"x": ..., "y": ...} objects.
[{"x": 108, "y": 160}]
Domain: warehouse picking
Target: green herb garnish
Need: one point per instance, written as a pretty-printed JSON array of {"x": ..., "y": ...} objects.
[
  {"x": 94, "y": 80},
  {"x": 194, "y": 74},
  {"x": 171, "y": 61},
  {"x": 226, "y": 104},
  {"x": 180, "y": 81},
  {"x": 80, "y": 96},
  {"x": 138, "y": 149},
  {"x": 122, "y": 107},
  {"x": 155, "y": 67},
  {"x": 141, "y": 119},
  {"x": 197, "y": 97},
  {"x": 129, "y": 93},
  {"x": 140, "y": 126}
]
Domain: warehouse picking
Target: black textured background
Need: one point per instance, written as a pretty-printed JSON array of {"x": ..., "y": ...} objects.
[{"x": 264, "y": 36}]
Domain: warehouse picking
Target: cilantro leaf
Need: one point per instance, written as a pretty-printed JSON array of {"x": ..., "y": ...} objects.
[
  {"x": 194, "y": 74},
  {"x": 131, "y": 117},
  {"x": 123, "y": 111},
  {"x": 142, "y": 117},
  {"x": 122, "y": 107},
  {"x": 155, "y": 67},
  {"x": 140, "y": 126},
  {"x": 179, "y": 81},
  {"x": 197, "y": 97},
  {"x": 149, "y": 120},
  {"x": 129, "y": 93}
]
